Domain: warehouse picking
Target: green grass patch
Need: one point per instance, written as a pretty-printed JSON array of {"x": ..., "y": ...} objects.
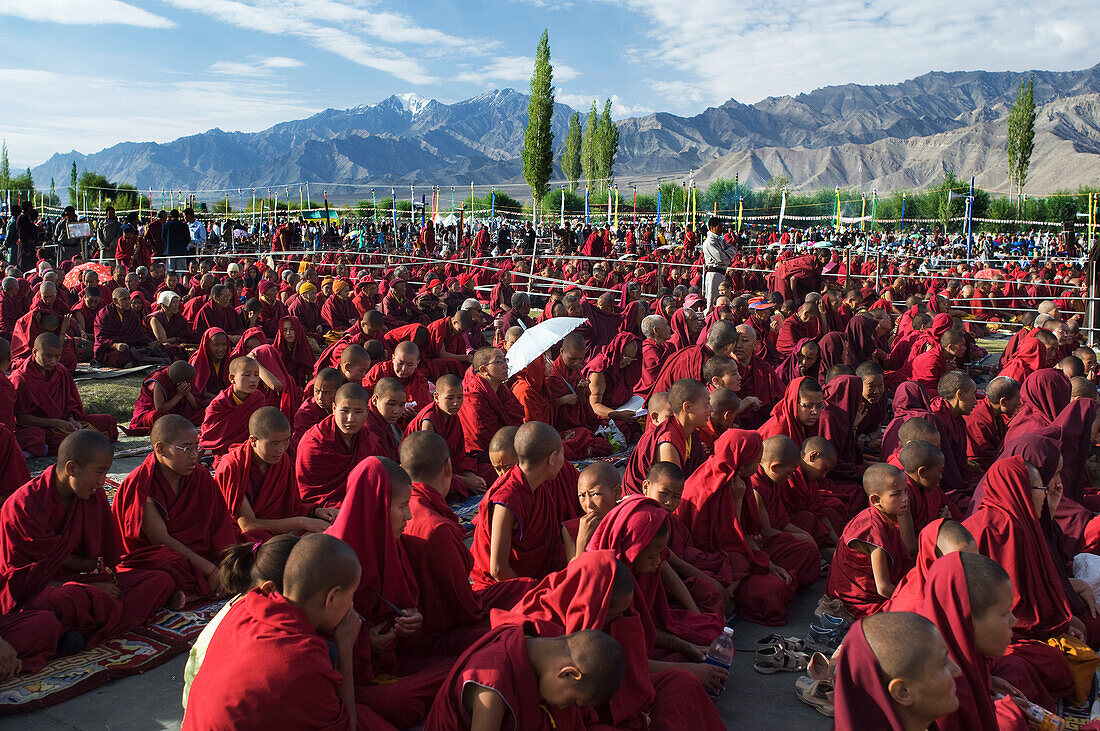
[{"x": 114, "y": 396}]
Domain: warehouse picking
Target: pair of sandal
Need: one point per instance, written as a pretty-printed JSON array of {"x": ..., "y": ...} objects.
[
  {"x": 826, "y": 634},
  {"x": 777, "y": 654},
  {"x": 816, "y": 688}
]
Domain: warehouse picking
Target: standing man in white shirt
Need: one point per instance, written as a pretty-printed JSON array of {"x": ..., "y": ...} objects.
[
  {"x": 716, "y": 259},
  {"x": 197, "y": 229}
]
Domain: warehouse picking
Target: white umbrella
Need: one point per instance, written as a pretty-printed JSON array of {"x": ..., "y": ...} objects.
[{"x": 538, "y": 339}]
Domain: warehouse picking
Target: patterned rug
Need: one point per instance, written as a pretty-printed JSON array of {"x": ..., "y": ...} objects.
[{"x": 169, "y": 634}]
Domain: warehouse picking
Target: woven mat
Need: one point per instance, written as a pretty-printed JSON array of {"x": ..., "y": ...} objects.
[
  {"x": 169, "y": 634},
  {"x": 88, "y": 373}
]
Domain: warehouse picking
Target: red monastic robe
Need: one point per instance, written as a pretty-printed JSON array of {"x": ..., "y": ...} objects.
[{"x": 323, "y": 462}]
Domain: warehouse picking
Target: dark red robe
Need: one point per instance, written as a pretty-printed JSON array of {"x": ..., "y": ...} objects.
[
  {"x": 53, "y": 395},
  {"x": 212, "y": 315},
  {"x": 484, "y": 411},
  {"x": 850, "y": 576},
  {"x": 323, "y": 462},
  {"x": 273, "y": 494},
  {"x": 226, "y": 422},
  {"x": 146, "y": 413}
]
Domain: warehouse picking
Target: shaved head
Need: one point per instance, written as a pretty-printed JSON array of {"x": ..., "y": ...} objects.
[
  {"x": 84, "y": 446},
  {"x": 171, "y": 428},
  {"x": 267, "y": 423},
  {"x": 317, "y": 564},
  {"x": 903, "y": 642},
  {"x": 536, "y": 441}
]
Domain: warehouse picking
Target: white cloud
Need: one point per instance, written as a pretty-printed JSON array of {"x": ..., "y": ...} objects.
[
  {"x": 547, "y": 4},
  {"x": 258, "y": 67},
  {"x": 619, "y": 108},
  {"x": 356, "y": 30},
  {"x": 246, "y": 105},
  {"x": 83, "y": 12},
  {"x": 513, "y": 69},
  {"x": 750, "y": 49}
]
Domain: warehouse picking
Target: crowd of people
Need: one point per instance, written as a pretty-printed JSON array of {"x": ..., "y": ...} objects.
[{"x": 809, "y": 409}]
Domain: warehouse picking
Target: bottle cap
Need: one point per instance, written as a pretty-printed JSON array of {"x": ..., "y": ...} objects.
[{"x": 727, "y": 631}]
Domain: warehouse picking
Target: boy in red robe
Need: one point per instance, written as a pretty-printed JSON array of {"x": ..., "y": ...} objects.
[
  {"x": 811, "y": 508},
  {"x": 314, "y": 409},
  {"x": 46, "y": 396},
  {"x": 487, "y": 404},
  {"x": 871, "y": 557},
  {"x": 688, "y": 362},
  {"x": 246, "y": 679},
  {"x": 58, "y": 549},
  {"x": 387, "y": 405},
  {"x": 785, "y": 543},
  {"x": 923, "y": 466},
  {"x": 514, "y": 533},
  {"x": 987, "y": 424},
  {"x": 454, "y": 613},
  {"x": 226, "y": 422},
  {"x": 671, "y": 440},
  {"x": 441, "y": 417},
  {"x": 168, "y": 391},
  {"x": 257, "y": 481},
  {"x": 724, "y": 409},
  {"x": 31, "y": 439},
  {"x": 170, "y": 515},
  {"x": 330, "y": 450},
  {"x": 405, "y": 367},
  {"x": 509, "y": 680}
]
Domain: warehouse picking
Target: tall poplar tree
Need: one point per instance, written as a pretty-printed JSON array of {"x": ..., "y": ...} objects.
[
  {"x": 571, "y": 155},
  {"x": 1021, "y": 136},
  {"x": 538, "y": 142},
  {"x": 607, "y": 136},
  {"x": 589, "y": 146}
]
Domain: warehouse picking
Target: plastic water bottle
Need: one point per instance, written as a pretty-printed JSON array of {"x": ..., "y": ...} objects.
[{"x": 721, "y": 653}]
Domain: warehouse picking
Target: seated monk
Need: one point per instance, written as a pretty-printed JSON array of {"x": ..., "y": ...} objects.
[
  {"x": 46, "y": 396},
  {"x": 599, "y": 488},
  {"x": 58, "y": 550},
  {"x": 371, "y": 327},
  {"x": 211, "y": 363},
  {"x": 871, "y": 557},
  {"x": 33, "y": 324},
  {"x": 656, "y": 349},
  {"x": 220, "y": 313},
  {"x": 928, "y": 367},
  {"x": 1037, "y": 350},
  {"x": 958, "y": 395},
  {"x": 797, "y": 414},
  {"x": 168, "y": 391},
  {"x": 31, "y": 440},
  {"x": 939, "y": 538},
  {"x": 688, "y": 362},
  {"x": 387, "y": 406},
  {"x": 724, "y": 410},
  {"x": 811, "y": 507},
  {"x": 246, "y": 681},
  {"x": 226, "y": 422},
  {"x": 447, "y": 342},
  {"x": 969, "y": 598},
  {"x": 170, "y": 329},
  {"x": 258, "y": 483},
  {"x": 405, "y": 367},
  {"x": 304, "y": 306},
  {"x": 328, "y": 451},
  {"x": 922, "y": 463},
  {"x": 441, "y": 417},
  {"x": 292, "y": 343},
  {"x": 371, "y": 520},
  {"x": 338, "y": 311},
  {"x": 454, "y": 613},
  {"x": 804, "y": 323},
  {"x": 314, "y": 409},
  {"x": 487, "y": 403},
  {"x": 170, "y": 515},
  {"x": 894, "y": 672},
  {"x": 495, "y": 683},
  {"x": 720, "y": 513},
  {"x": 567, "y": 386},
  {"x": 844, "y": 410},
  {"x": 874, "y": 407},
  {"x": 515, "y": 534},
  {"x": 121, "y": 339},
  {"x": 671, "y": 440},
  {"x": 758, "y": 379},
  {"x": 611, "y": 376}
]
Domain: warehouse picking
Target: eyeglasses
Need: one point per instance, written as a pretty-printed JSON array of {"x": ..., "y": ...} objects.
[
  {"x": 812, "y": 407},
  {"x": 499, "y": 361},
  {"x": 1044, "y": 488},
  {"x": 192, "y": 450}
]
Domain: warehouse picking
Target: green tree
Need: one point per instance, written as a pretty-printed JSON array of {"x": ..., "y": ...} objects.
[
  {"x": 22, "y": 186},
  {"x": 538, "y": 141},
  {"x": 5, "y": 167},
  {"x": 607, "y": 145},
  {"x": 589, "y": 147},
  {"x": 571, "y": 156},
  {"x": 74, "y": 188},
  {"x": 1021, "y": 135}
]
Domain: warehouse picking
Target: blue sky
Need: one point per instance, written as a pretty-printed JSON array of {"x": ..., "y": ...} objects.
[{"x": 85, "y": 74}]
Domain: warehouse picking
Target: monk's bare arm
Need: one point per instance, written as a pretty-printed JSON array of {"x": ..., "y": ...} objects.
[
  {"x": 25, "y": 419},
  {"x": 880, "y": 566},
  {"x": 766, "y": 529},
  {"x": 485, "y": 706},
  {"x": 675, "y": 586},
  {"x": 271, "y": 380},
  {"x": 155, "y": 531},
  {"x": 571, "y": 552},
  {"x": 908, "y": 532},
  {"x": 248, "y": 521},
  {"x": 667, "y": 453},
  {"x": 597, "y": 384},
  {"x": 500, "y": 543},
  {"x": 158, "y": 331}
]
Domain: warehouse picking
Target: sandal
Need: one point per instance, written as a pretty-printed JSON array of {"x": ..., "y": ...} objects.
[
  {"x": 818, "y": 694},
  {"x": 820, "y": 668},
  {"x": 772, "y": 659},
  {"x": 790, "y": 644},
  {"x": 823, "y": 639}
]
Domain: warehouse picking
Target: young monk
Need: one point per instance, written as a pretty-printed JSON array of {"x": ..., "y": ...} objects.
[
  {"x": 58, "y": 550},
  {"x": 894, "y": 672},
  {"x": 454, "y": 614},
  {"x": 939, "y": 538},
  {"x": 987, "y": 424},
  {"x": 168, "y": 391},
  {"x": 871, "y": 557},
  {"x": 226, "y": 422},
  {"x": 598, "y": 489},
  {"x": 211, "y": 363},
  {"x": 658, "y": 409},
  {"x": 798, "y": 412},
  {"x": 355, "y": 363},
  {"x": 512, "y": 536},
  {"x": 509, "y": 681},
  {"x": 958, "y": 395},
  {"x": 258, "y": 483},
  {"x": 671, "y": 440},
  {"x": 441, "y": 417},
  {"x": 785, "y": 543},
  {"x": 46, "y": 396},
  {"x": 405, "y": 366},
  {"x": 502, "y": 450},
  {"x": 720, "y": 512},
  {"x": 487, "y": 403},
  {"x": 319, "y": 405},
  {"x": 923, "y": 466},
  {"x": 330, "y": 450},
  {"x": 808, "y": 502},
  {"x": 170, "y": 515},
  {"x": 387, "y": 407},
  {"x": 969, "y": 598},
  {"x": 245, "y": 680},
  {"x": 371, "y": 520},
  {"x": 31, "y": 439},
  {"x": 724, "y": 409}
]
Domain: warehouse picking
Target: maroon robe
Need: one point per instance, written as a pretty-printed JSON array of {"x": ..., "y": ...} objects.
[
  {"x": 308, "y": 415},
  {"x": 484, "y": 411},
  {"x": 323, "y": 462},
  {"x": 226, "y": 422},
  {"x": 850, "y": 576},
  {"x": 273, "y": 494},
  {"x": 645, "y": 454},
  {"x": 339, "y": 314},
  {"x": 53, "y": 395},
  {"x": 212, "y": 314},
  {"x": 31, "y": 439},
  {"x": 684, "y": 363},
  {"x": 146, "y": 413}
]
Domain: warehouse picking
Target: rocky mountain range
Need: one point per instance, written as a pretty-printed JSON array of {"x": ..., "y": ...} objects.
[{"x": 887, "y": 137}]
